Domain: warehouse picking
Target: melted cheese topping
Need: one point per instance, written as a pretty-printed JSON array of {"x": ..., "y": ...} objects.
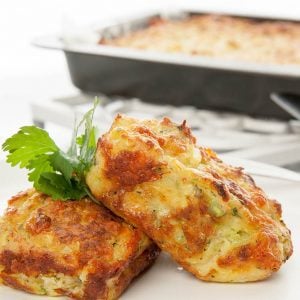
[
  {"x": 73, "y": 248},
  {"x": 222, "y": 37},
  {"x": 209, "y": 216}
]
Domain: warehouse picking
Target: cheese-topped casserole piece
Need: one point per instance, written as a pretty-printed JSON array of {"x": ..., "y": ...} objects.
[
  {"x": 73, "y": 248},
  {"x": 211, "y": 217}
]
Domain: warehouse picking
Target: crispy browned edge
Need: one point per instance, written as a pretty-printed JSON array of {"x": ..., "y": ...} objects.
[
  {"x": 136, "y": 267},
  {"x": 34, "y": 263}
]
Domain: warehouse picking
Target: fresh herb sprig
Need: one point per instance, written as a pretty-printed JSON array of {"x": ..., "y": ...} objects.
[{"x": 54, "y": 172}]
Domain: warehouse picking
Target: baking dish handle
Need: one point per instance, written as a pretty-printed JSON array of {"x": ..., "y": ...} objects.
[
  {"x": 49, "y": 42},
  {"x": 288, "y": 102}
]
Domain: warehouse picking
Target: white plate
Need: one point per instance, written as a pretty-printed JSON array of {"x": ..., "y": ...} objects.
[{"x": 165, "y": 280}]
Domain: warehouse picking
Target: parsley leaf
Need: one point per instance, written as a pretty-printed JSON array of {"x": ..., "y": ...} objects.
[
  {"x": 56, "y": 173},
  {"x": 235, "y": 212},
  {"x": 64, "y": 164},
  {"x": 59, "y": 188},
  {"x": 38, "y": 166},
  {"x": 84, "y": 146},
  {"x": 28, "y": 143}
]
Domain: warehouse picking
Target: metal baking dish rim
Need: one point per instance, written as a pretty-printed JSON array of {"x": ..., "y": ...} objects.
[{"x": 56, "y": 43}]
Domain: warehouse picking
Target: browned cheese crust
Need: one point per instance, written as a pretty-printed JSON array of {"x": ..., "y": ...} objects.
[
  {"x": 218, "y": 36},
  {"x": 73, "y": 248},
  {"x": 211, "y": 217}
]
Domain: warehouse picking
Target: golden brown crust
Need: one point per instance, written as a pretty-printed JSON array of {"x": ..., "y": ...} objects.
[
  {"x": 130, "y": 168},
  {"x": 211, "y": 217},
  {"x": 14, "y": 283},
  {"x": 219, "y": 36},
  {"x": 77, "y": 246},
  {"x": 31, "y": 263},
  {"x": 96, "y": 285}
]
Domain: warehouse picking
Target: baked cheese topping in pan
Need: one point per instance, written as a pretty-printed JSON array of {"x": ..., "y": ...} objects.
[{"x": 218, "y": 36}]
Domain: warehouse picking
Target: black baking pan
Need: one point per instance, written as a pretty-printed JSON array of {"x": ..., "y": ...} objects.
[{"x": 174, "y": 78}]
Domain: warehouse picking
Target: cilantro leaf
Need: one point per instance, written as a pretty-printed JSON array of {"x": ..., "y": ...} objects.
[
  {"x": 56, "y": 173},
  {"x": 38, "y": 166},
  {"x": 28, "y": 143},
  {"x": 58, "y": 187},
  {"x": 87, "y": 141},
  {"x": 64, "y": 164}
]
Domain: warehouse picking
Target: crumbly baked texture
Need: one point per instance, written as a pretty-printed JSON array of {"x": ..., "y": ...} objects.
[
  {"x": 211, "y": 217},
  {"x": 219, "y": 36},
  {"x": 73, "y": 248}
]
